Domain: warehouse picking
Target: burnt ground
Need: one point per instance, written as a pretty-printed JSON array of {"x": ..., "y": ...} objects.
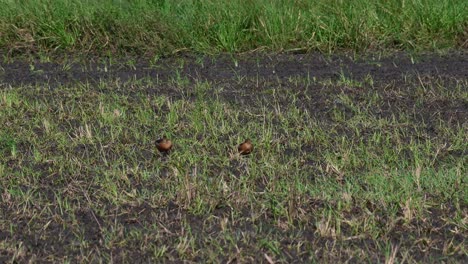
[{"x": 245, "y": 80}]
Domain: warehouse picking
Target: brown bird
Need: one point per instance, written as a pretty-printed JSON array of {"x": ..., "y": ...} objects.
[
  {"x": 164, "y": 145},
  {"x": 245, "y": 147}
]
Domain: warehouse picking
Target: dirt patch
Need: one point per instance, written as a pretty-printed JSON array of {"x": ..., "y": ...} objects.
[
  {"x": 248, "y": 79},
  {"x": 325, "y": 86},
  {"x": 228, "y": 69}
]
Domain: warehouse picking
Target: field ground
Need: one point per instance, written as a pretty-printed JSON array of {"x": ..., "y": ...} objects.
[{"x": 359, "y": 159}]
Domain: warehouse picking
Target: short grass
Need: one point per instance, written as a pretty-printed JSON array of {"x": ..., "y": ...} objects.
[
  {"x": 369, "y": 179},
  {"x": 166, "y": 26}
]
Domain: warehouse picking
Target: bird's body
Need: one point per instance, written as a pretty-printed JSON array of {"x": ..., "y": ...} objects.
[
  {"x": 245, "y": 147},
  {"x": 164, "y": 145}
]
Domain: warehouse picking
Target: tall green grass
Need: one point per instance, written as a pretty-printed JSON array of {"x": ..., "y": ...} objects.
[{"x": 164, "y": 26}]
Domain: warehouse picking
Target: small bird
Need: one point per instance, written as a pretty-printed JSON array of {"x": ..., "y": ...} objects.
[
  {"x": 245, "y": 148},
  {"x": 164, "y": 145}
]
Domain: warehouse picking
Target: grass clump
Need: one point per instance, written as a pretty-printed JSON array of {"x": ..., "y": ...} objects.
[{"x": 161, "y": 27}]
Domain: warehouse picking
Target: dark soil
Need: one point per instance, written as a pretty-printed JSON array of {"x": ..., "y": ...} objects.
[
  {"x": 246, "y": 80},
  {"x": 223, "y": 69}
]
